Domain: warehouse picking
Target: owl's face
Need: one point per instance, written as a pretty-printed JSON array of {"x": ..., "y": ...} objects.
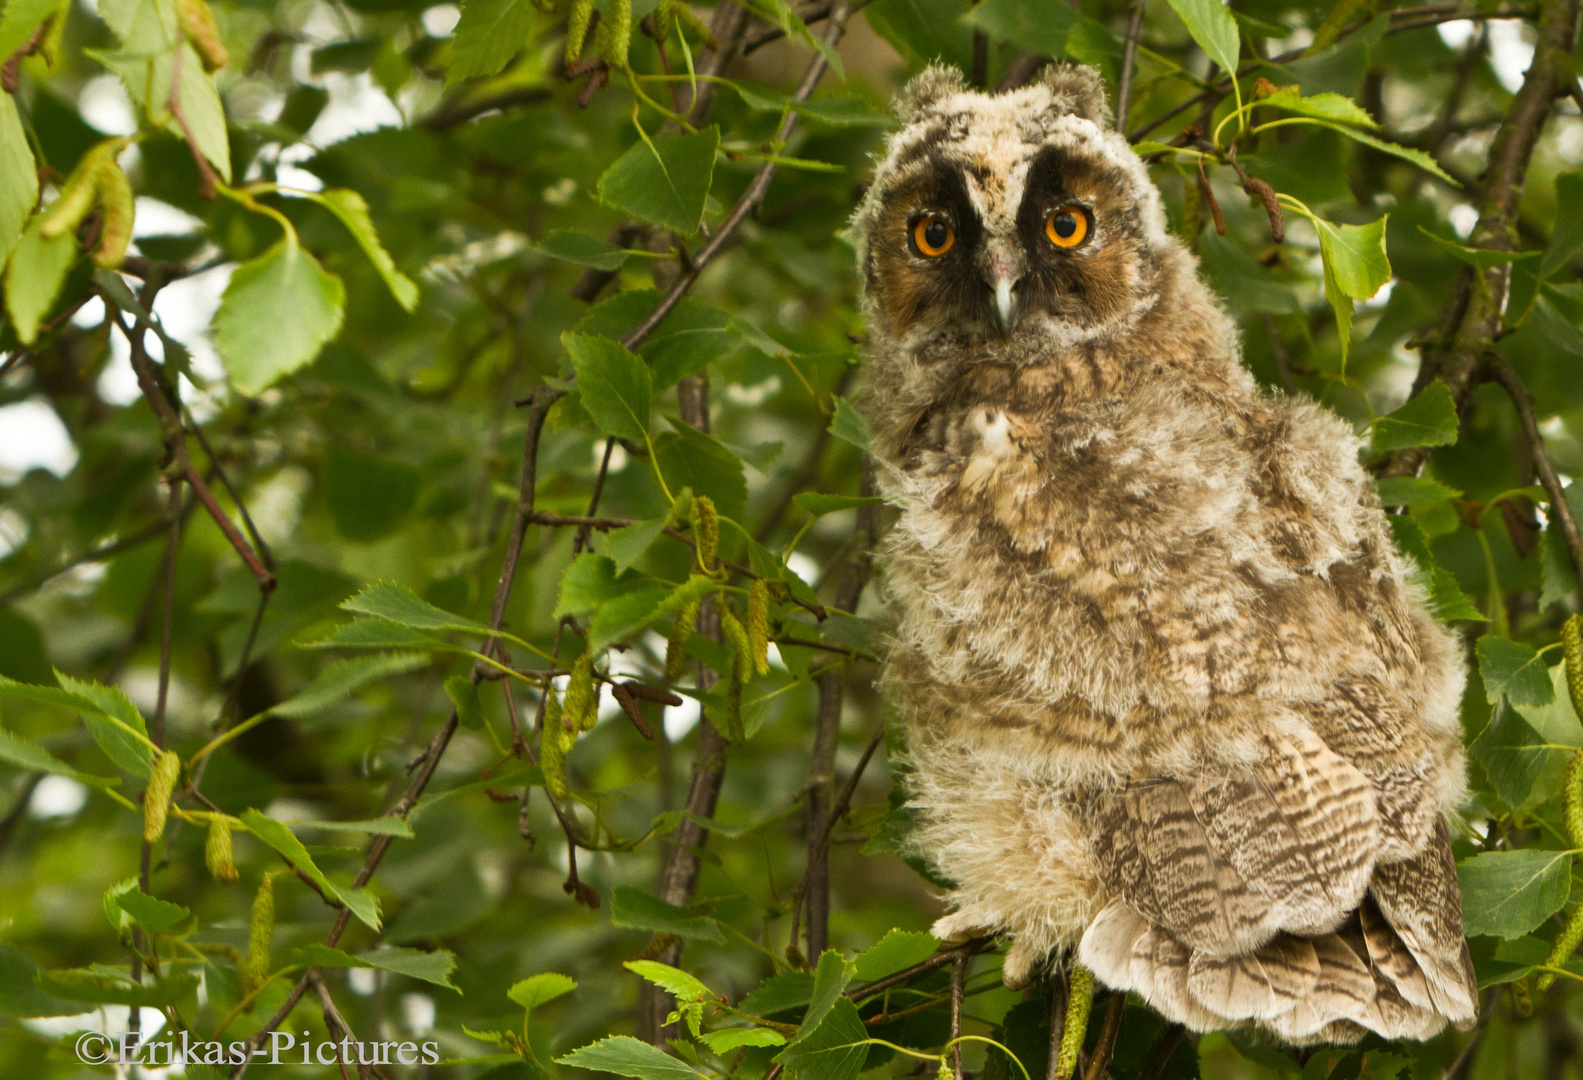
[{"x": 1010, "y": 222}]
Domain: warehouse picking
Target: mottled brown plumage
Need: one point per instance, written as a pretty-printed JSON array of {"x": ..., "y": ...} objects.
[{"x": 1174, "y": 701}]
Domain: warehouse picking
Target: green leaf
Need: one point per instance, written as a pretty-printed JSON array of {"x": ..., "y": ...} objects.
[
  {"x": 634, "y": 909},
  {"x": 1509, "y": 893},
  {"x": 463, "y": 693},
  {"x": 489, "y": 33},
  {"x": 372, "y": 633},
  {"x": 1524, "y": 750},
  {"x": 1478, "y": 258},
  {"x": 341, "y": 678},
  {"x": 680, "y": 984},
  {"x": 691, "y": 337},
  {"x": 1327, "y": 106},
  {"x": 583, "y": 250},
  {"x": 1355, "y": 254},
  {"x": 97, "y": 702},
  {"x": 692, "y": 458},
  {"x": 1515, "y": 670},
  {"x": 105, "y": 988},
  {"x": 541, "y": 989},
  {"x": 1556, "y": 328},
  {"x": 279, "y": 837},
  {"x": 1213, "y": 28},
  {"x": 819, "y": 505},
  {"x": 1429, "y": 419},
  {"x": 1405, "y": 153},
  {"x": 18, "y": 173},
  {"x": 1413, "y": 491},
  {"x": 1559, "y": 576},
  {"x": 17, "y": 24},
  {"x": 779, "y": 994},
  {"x": 729, "y": 1039},
  {"x": 388, "y": 825},
  {"x": 626, "y": 1056},
  {"x": 622, "y": 604},
  {"x": 150, "y": 913},
  {"x": 368, "y": 497},
  {"x": 830, "y": 977},
  {"x": 1567, "y": 235},
  {"x": 896, "y": 951},
  {"x": 351, "y": 208},
  {"x": 1032, "y": 24},
  {"x": 626, "y": 545},
  {"x": 848, "y": 424},
  {"x": 833, "y": 1051},
  {"x": 397, "y": 603},
  {"x": 258, "y": 345},
  {"x": 200, "y": 104},
  {"x": 31, "y": 757},
  {"x": 589, "y": 581},
  {"x": 924, "y": 31},
  {"x": 1446, "y": 598},
  {"x": 615, "y": 385},
  {"x": 34, "y": 276},
  {"x": 664, "y": 180},
  {"x": 430, "y": 967}
]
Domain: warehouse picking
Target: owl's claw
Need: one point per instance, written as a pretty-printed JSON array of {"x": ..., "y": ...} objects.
[
  {"x": 1022, "y": 963},
  {"x": 959, "y": 926}
]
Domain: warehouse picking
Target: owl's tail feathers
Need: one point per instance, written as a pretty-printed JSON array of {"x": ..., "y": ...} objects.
[{"x": 1329, "y": 988}]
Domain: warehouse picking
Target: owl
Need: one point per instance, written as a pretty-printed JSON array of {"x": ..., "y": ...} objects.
[{"x": 1174, "y": 702}]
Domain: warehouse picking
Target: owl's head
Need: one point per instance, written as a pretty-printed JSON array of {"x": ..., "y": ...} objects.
[{"x": 1008, "y": 223}]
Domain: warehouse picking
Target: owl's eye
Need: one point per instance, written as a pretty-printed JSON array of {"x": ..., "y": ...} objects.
[
  {"x": 932, "y": 235},
  {"x": 1067, "y": 226}
]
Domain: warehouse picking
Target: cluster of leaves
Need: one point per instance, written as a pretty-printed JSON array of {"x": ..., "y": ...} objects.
[{"x": 311, "y": 749}]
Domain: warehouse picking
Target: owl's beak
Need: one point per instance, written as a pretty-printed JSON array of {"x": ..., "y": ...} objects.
[
  {"x": 1002, "y": 270},
  {"x": 1005, "y": 305}
]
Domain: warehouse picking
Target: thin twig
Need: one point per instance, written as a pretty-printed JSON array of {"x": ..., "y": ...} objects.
[
  {"x": 1464, "y": 1057},
  {"x": 176, "y": 443},
  {"x": 1472, "y": 318},
  {"x": 1160, "y": 1053},
  {"x": 1105, "y": 1046},
  {"x": 754, "y": 195},
  {"x": 1560, "y": 509},
  {"x": 822, "y": 844},
  {"x": 958, "y": 977},
  {"x": 1129, "y": 58},
  {"x": 946, "y": 956},
  {"x": 430, "y": 759}
]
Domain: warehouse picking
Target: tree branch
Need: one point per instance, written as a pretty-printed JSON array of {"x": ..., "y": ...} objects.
[
  {"x": 1471, "y": 320},
  {"x": 1560, "y": 510}
]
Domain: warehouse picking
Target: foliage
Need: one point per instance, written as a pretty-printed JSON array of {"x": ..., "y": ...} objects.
[{"x": 457, "y": 599}]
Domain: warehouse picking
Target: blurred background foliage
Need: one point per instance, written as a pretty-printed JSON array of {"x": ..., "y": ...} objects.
[{"x": 378, "y": 248}]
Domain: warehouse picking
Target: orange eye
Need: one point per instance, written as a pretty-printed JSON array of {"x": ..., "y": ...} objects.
[
  {"x": 933, "y": 236},
  {"x": 1067, "y": 226}
]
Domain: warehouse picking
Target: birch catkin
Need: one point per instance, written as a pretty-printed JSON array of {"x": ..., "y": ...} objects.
[
  {"x": 582, "y": 12},
  {"x": 707, "y": 528},
  {"x": 681, "y": 634},
  {"x": 582, "y": 696},
  {"x": 742, "y": 651},
  {"x": 217, "y": 853},
  {"x": 260, "y": 936},
  {"x": 156, "y": 797},
  {"x": 1079, "y": 1001},
  {"x": 759, "y": 626},
  {"x": 552, "y": 748}
]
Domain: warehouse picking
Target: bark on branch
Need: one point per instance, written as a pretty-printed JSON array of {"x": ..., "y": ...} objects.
[{"x": 1471, "y": 320}]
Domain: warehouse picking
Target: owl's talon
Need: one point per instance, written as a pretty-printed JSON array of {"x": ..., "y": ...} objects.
[
  {"x": 1022, "y": 963},
  {"x": 960, "y": 926}
]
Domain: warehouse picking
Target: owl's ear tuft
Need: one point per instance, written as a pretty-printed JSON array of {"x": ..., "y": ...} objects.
[
  {"x": 1077, "y": 90},
  {"x": 926, "y": 89}
]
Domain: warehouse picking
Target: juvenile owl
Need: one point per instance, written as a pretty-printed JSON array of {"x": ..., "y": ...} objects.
[{"x": 1174, "y": 702}]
